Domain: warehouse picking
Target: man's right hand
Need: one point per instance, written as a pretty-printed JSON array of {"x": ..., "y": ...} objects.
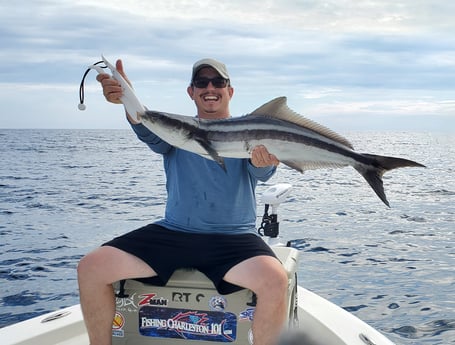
[
  {"x": 111, "y": 87},
  {"x": 112, "y": 90}
]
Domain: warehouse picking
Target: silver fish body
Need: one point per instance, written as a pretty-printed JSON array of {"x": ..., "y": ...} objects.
[{"x": 296, "y": 141}]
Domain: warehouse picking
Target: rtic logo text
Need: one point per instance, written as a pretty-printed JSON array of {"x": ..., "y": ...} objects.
[{"x": 185, "y": 297}]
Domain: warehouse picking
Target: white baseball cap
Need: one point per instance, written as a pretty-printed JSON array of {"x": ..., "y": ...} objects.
[{"x": 216, "y": 65}]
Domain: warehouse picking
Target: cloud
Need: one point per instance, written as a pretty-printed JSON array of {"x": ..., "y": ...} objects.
[{"x": 329, "y": 57}]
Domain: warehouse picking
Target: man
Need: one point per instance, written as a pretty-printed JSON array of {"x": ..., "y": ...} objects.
[{"x": 209, "y": 222}]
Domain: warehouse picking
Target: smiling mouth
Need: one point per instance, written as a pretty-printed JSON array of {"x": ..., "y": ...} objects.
[{"x": 210, "y": 98}]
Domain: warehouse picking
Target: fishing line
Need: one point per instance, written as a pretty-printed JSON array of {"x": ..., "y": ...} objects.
[{"x": 81, "y": 104}]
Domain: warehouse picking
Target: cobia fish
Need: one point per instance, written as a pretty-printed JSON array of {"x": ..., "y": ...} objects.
[{"x": 297, "y": 142}]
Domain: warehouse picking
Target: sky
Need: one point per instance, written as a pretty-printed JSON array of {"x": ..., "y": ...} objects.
[{"x": 347, "y": 64}]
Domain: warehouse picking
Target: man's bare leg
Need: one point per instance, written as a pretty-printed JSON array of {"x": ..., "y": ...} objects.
[
  {"x": 96, "y": 273},
  {"x": 267, "y": 278}
]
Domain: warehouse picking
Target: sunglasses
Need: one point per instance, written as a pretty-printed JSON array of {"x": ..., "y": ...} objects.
[{"x": 218, "y": 82}]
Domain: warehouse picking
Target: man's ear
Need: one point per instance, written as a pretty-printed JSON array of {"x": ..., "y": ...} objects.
[
  {"x": 231, "y": 92},
  {"x": 190, "y": 91}
]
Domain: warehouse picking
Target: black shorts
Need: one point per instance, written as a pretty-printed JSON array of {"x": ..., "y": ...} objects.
[{"x": 213, "y": 254}]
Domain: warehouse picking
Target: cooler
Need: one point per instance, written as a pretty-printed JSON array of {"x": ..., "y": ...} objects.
[{"x": 189, "y": 310}]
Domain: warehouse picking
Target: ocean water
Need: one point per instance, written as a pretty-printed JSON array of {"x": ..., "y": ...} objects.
[{"x": 64, "y": 192}]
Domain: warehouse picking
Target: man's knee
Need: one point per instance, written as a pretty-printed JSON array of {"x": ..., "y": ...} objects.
[
  {"x": 91, "y": 265},
  {"x": 84, "y": 266},
  {"x": 280, "y": 280},
  {"x": 275, "y": 283}
]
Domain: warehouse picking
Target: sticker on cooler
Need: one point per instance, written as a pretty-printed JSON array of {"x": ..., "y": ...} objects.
[
  {"x": 187, "y": 324},
  {"x": 117, "y": 325}
]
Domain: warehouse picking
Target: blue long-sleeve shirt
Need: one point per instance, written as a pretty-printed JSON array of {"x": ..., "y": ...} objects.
[{"x": 202, "y": 197}]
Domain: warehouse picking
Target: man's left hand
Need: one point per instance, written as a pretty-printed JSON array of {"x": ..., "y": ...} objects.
[{"x": 261, "y": 157}]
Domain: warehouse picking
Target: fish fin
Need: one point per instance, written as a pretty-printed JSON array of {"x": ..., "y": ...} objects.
[
  {"x": 211, "y": 152},
  {"x": 380, "y": 165},
  {"x": 293, "y": 165},
  {"x": 302, "y": 166},
  {"x": 278, "y": 108}
]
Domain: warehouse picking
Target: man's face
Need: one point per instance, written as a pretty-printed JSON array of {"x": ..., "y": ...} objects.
[{"x": 211, "y": 102}]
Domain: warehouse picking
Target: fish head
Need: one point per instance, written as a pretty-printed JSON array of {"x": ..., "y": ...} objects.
[{"x": 173, "y": 128}]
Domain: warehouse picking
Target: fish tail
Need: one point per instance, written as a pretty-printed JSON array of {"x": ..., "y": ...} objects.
[{"x": 379, "y": 165}]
